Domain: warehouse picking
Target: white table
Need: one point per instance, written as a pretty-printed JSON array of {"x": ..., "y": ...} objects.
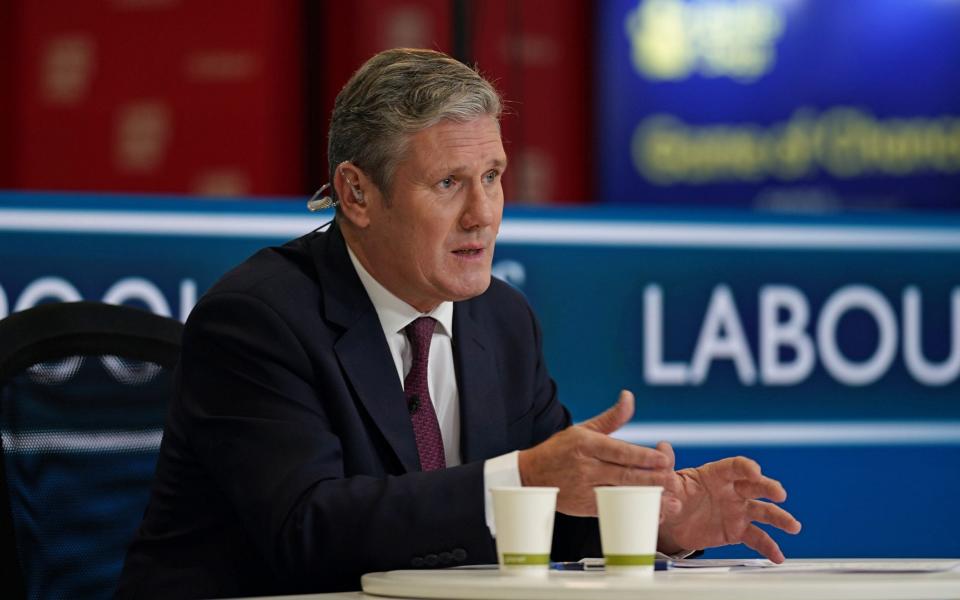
[{"x": 768, "y": 584}]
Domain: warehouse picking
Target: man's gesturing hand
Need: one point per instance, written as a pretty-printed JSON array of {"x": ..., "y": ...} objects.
[
  {"x": 584, "y": 456},
  {"x": 720, "y": 502}
]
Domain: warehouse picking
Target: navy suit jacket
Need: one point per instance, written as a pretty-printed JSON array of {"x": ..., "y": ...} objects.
[{"x": 289, "y": 463}]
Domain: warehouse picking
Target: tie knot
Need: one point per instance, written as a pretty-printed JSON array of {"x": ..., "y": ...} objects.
[{"x": 420, "y": 332}]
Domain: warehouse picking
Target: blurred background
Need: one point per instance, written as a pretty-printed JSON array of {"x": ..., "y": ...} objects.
[
  {"x": 775, "y": 105},
  {"x": 226, "y": 98},
  {"x": 744, "y": 210}
]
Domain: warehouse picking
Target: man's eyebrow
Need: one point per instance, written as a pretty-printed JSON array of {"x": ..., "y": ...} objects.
[{"x": 496, "y": 163}]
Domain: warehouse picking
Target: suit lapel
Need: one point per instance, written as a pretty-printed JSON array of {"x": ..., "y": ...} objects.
[
  {"x": 482, "y": 428},
  {"x": 361, "y": 349},
  {"x": 369, "y": 367}
]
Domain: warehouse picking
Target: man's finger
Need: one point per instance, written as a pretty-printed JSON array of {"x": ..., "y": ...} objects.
[
  {"x": 609, "y": 474},
  {"x": 666, "y": 449},
  {"x": 744, "y": 468},
  {"x": 625, "y": 454},
  {"x": 670, "y": 506},
  {"x": 614, "y": 417},
  {"x": 673, "y": 485},
  {"x": 771, "y": 514},
  {"x": 764, "y": 488},
  {"x": 759, "y": 540}
]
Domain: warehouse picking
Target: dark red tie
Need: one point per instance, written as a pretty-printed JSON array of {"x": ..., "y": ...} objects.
[{"x": 425, "y": 426}]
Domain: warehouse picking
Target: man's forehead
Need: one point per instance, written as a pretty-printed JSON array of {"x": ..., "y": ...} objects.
[{"x": 460, "y": 145}]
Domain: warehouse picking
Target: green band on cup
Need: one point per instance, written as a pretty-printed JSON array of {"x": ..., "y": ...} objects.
[
  {"x": 628, "y": 560},
  {"x": 526, "y": 559}
]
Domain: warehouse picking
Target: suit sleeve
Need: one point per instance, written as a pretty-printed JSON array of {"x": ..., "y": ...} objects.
[{"x": 260, "y": 428}]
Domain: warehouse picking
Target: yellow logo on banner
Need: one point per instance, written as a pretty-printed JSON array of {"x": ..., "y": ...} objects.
[
  {"x": 843, "y": 141},
  {"x": 672, "y": 40}
]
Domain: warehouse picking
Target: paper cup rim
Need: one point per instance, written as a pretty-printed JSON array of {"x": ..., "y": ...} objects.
[{"x": 628, "y": 489}]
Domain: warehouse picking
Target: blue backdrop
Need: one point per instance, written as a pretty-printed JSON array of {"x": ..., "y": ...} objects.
[
  {"x": 828, "y": 349},
  {"x": 780, "y": 104}
]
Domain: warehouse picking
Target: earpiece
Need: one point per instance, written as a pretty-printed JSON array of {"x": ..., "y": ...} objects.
[
  {"x": 321, "y": 200},
  {"x": 354, "y": 188}
]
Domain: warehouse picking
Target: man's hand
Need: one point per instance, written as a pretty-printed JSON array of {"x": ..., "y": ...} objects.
[
  {"x": 584, "y": 456},
  {"x": 720, "y": 502}
]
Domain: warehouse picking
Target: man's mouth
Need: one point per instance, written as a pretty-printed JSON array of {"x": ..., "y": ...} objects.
[{"x": 468, "y": 251}]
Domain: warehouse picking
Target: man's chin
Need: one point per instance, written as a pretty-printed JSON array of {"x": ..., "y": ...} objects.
[{"x": 473, "y": 288}]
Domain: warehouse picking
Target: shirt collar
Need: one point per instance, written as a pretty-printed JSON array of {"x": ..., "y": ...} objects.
[{"x": 394, "y": 313}]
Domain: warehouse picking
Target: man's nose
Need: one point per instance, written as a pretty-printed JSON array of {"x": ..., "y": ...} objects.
[{"x": 481, "y": 208}]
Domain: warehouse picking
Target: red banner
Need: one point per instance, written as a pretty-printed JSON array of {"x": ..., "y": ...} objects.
[{"x": 159, "y": 95}]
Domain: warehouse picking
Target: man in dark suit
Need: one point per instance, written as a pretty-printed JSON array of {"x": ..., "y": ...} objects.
[{"x": 346, "y": 401}]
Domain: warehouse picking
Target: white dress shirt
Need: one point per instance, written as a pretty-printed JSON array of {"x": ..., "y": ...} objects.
[{"x": 395, "y": 315}]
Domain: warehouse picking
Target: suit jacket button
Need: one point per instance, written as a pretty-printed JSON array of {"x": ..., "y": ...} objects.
[
  {"x": 417, "y": 562},
  {"x": 459, "y": 554},
  {"x": 445, "y": 558},
  {"x": 431, "y": 560}
]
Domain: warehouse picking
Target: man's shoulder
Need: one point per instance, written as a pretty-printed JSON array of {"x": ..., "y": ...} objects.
[
  {"x": 501, "y": 292},
  {"x": 276, "y": 275},
  {"x": 501, "y": 303}
]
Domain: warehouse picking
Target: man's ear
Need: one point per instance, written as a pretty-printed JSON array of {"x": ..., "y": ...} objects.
[{"x": 350, "y": 182}]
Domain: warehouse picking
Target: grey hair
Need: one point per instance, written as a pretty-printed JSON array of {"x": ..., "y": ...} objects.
[{"x": 394, "y": 95}]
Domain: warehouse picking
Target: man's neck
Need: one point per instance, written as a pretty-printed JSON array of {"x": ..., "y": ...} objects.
[{"x": 369, "y": 276}]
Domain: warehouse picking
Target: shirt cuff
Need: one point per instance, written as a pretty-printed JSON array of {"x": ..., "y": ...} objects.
[{"x": 502, "y": 471}]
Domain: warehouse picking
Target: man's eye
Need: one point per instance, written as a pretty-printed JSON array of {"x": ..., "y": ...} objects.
[
  {"x": 490, "y": 176},
  {"x": 446, "y": 183}
]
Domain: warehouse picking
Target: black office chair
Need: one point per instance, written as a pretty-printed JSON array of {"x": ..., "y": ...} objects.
[{"x": 83, "y": 394}]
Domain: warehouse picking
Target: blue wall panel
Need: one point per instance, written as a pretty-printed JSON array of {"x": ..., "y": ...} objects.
[{"x": 862, "y": 427}]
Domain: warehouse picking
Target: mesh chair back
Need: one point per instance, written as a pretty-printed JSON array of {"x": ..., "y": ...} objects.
[{"x": 83, "y": 393}]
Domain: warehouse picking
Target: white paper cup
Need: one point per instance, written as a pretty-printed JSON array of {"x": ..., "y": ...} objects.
[
  {"x": 629, "y": 520},
  {"x": 523, "y": 518}
]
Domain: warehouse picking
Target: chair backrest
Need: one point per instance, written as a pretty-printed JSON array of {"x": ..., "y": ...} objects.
[{"x": 83, "y": 394}]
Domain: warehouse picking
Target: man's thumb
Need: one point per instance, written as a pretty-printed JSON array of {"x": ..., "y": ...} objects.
[{"x": 614, "y": 417}]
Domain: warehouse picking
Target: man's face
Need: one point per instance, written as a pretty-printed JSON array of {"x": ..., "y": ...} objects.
[{"x": 433, "y": 239}]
